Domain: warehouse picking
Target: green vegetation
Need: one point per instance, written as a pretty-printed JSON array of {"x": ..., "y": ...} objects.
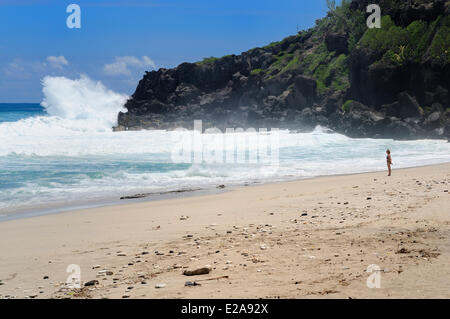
[
  {"x": 346, "y": 106},
  {"x": 427, "y": 109},
  {"x": 332, "y": 75},
  {"x": 272, "y": 45},
  {"x": 341, "y": 19},
  {"x": 330, "y": 71},
  {"x": 398, "y": 45},
  {"x": 212, "y": 59},
  {"x": 418, "y": 32},
  {"x": 227, "y": 56},
  {"x": 256, "y": 71},
  {"x": 440, "y": 47},
  {"x": 417, "y": 42},
  {"x": 208, "y": 60},
  {"x": 292, "y": 65},
  {"x": 320, "y": 56},
  {"x": 281, "y": 61}
]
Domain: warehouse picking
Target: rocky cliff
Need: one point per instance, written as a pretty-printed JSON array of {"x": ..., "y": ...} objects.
[{"x": 388, "y": 82}]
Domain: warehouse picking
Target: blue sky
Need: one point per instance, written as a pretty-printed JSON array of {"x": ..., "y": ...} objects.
[{"x": 119, "y": 40}]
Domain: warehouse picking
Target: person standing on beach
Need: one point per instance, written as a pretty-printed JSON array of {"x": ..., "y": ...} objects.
[{"x": 389, "y": 161}]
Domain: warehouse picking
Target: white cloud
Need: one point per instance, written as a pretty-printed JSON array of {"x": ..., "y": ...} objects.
[
  {"x": 22, "y": 69},
  {"x": 125, "y": 64},
  {"x": 14, "y": 66},
  {"x": 57, "y": 62}
]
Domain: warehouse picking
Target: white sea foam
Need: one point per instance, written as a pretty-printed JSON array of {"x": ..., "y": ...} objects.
[
  {"x": 82, "y": 99},
  {"x": 73, "y": 153}
]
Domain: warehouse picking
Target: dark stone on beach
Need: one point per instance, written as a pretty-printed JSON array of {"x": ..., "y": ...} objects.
[
  {"x": 199, "y": 271},
  {"x": 221, "y": 186},
  {"x": 45, "y": 277},
  {"x": 91, "y": 283},
  {"x": 402, "y": 251},
  {"x": 134, "y": 196},
  {"x": 304, "y": 214},
  {"x": 191, "y": 284}
]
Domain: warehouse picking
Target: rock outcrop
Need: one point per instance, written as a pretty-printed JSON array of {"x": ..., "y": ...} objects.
[{"x": 338, "y": 74}]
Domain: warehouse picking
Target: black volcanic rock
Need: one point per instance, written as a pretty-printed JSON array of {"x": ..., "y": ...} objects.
[
  {"x": 337, "y": 43},
  {"x": 335, "y": 75}
]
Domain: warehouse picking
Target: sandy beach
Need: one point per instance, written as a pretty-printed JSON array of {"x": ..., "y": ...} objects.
[{"x": 303, "y": 239}]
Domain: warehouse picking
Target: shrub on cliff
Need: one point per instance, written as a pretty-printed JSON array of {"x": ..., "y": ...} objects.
[
  {"x": 440, "y": 47},
  {"x": 398, "y": 45}
]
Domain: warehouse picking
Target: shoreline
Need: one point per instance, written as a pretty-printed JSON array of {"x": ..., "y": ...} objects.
[
  {"x": 73, "y": 206},
  {"x": 299, "y": 239},
  {"x": 36, "y": 210}
]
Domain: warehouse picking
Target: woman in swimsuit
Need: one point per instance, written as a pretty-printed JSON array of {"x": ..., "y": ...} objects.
[{"x": 389, "y": 161}]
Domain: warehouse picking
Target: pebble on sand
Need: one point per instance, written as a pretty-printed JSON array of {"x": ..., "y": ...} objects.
[
  {"x": 191, "y": 284},
  {"x": 91, "y": 283},
  {"x": 199, "y": 271}
]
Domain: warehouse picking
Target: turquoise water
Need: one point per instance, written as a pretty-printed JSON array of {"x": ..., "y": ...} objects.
[
  {"x": 13, "y": 112},
  {"x": 61, "y": 155}
]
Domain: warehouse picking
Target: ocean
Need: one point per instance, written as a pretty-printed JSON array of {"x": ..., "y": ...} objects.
[{"x": 63, "y": 151}]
